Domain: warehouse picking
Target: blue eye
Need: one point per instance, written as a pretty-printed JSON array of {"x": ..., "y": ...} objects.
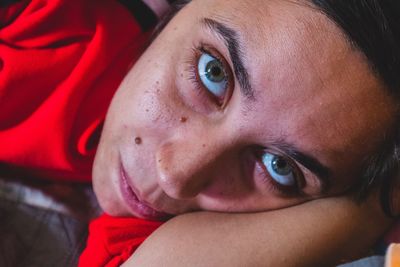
[
  {"x": 279, "y": 169},
  {"x": 213, "y": 75}
]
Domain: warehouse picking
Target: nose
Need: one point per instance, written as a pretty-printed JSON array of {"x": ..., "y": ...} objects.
[{"x": 190, "y": 165}]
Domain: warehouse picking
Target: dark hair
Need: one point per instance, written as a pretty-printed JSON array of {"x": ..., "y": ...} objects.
[
  {"x": 372, "y": 26},
  {"x": 175, "y": 7}
]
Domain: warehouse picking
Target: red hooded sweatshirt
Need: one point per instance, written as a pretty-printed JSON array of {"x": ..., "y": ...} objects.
[{"x": 60, "y": 63}]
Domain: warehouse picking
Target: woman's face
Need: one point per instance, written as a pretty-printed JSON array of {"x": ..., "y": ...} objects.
[{"x": 239, "y": 106}]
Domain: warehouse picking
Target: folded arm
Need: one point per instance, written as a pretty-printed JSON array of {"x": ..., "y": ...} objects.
[{"x": 317, "y": 233}]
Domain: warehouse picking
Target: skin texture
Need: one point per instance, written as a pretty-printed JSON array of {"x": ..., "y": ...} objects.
[
  {"x": 304, "y": 235},
  {"x": 311, "y": 91}
]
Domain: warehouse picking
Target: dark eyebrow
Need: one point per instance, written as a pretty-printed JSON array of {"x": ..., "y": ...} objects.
[
  {"x": 322, "y": 172},
  {"x": 231, "y": 39}
]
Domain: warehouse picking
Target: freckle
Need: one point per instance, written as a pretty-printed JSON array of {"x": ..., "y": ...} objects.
[
  {"x": 181, "y": 75},
  {"x": 138, "y": 140},
  {"x": 204, "y": 145},
  {"x": 183, "y": 119},
  {"x": 147, "y": 110},
  {"x": 157, "y": 82}
]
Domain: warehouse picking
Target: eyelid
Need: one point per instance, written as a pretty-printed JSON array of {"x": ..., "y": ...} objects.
[
  {"x": 299, "y": 176},
  {"x": 207, "y": 49}
]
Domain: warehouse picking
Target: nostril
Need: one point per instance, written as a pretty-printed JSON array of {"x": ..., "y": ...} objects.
[
  {"x": 171, "y": 186},
  {"x": 179, "y": 185},
  {"x": 184, "y": 168},
  {"x": 173, "y": 179}
]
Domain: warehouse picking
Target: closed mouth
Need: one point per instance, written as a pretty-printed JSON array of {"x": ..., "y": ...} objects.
[{"x": 136, "y": 205}]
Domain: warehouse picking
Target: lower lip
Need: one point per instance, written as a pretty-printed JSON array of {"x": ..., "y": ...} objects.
[{"x": 139, "y": 208}]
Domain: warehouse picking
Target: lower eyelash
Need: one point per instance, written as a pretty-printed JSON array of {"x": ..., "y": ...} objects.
[
  {"x": 192, "y": 70},
  {"x": 275, "y": 187},
  {"x": 193, "y": 77},
  {"x": 287, "y": 191}
]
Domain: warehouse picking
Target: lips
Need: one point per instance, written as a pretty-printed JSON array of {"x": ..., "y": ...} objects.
[{"x": 137, "y": 206}]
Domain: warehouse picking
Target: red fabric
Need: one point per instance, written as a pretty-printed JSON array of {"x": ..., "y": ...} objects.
[
  {"x": 60, "y": 63},
  {"x": 113, "y": 240}
]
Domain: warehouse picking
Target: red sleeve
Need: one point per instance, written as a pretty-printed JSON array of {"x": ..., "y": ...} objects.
[
  {"x": 113, "y": 240},
  {"x": 10, "y": 11},
  {"x": 60, "y": 63}
]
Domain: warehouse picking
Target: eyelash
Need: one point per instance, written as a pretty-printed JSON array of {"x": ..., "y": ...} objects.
[
  {"x": 195, "y": 79},
  {"x": 192, "y": 69},
  {"x": 287, "y": 191}
]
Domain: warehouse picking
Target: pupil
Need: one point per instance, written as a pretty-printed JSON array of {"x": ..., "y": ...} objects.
[
  {"x": 281, "y": 166},
  {"x": 214, "y": 71},
  {"x": 281, "y": 163}
]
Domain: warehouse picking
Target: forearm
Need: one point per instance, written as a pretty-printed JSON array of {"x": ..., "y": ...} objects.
[{"x": 313, "y": 234}]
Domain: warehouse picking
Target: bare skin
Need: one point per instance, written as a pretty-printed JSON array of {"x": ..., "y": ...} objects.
[
  {"x": 172, "y": 144},
  {"x": 322, "y": 232},
  {"x": 307, "y": 92}
]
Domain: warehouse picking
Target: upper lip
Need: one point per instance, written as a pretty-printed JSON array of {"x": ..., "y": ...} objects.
[
  {"x": 136, "y": 191},
  {"x": 128, "y": 181}
]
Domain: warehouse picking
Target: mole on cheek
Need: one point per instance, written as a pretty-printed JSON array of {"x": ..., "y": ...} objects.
[
  {"x": 183, "y": 119},
  {"x": 138, "y": 140}
]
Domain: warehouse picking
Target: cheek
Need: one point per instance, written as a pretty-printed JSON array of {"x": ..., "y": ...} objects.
[
  {"x": 146, "y": 106},
  {"x": 105, "y": 183},
  {"x": 147, "y": 100}
]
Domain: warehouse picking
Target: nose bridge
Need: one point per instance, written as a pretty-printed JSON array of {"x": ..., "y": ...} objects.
[{"x": 188, "y": 163}]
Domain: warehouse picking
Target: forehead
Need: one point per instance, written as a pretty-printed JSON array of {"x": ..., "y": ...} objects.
[{"x": 311, "y": 85}]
